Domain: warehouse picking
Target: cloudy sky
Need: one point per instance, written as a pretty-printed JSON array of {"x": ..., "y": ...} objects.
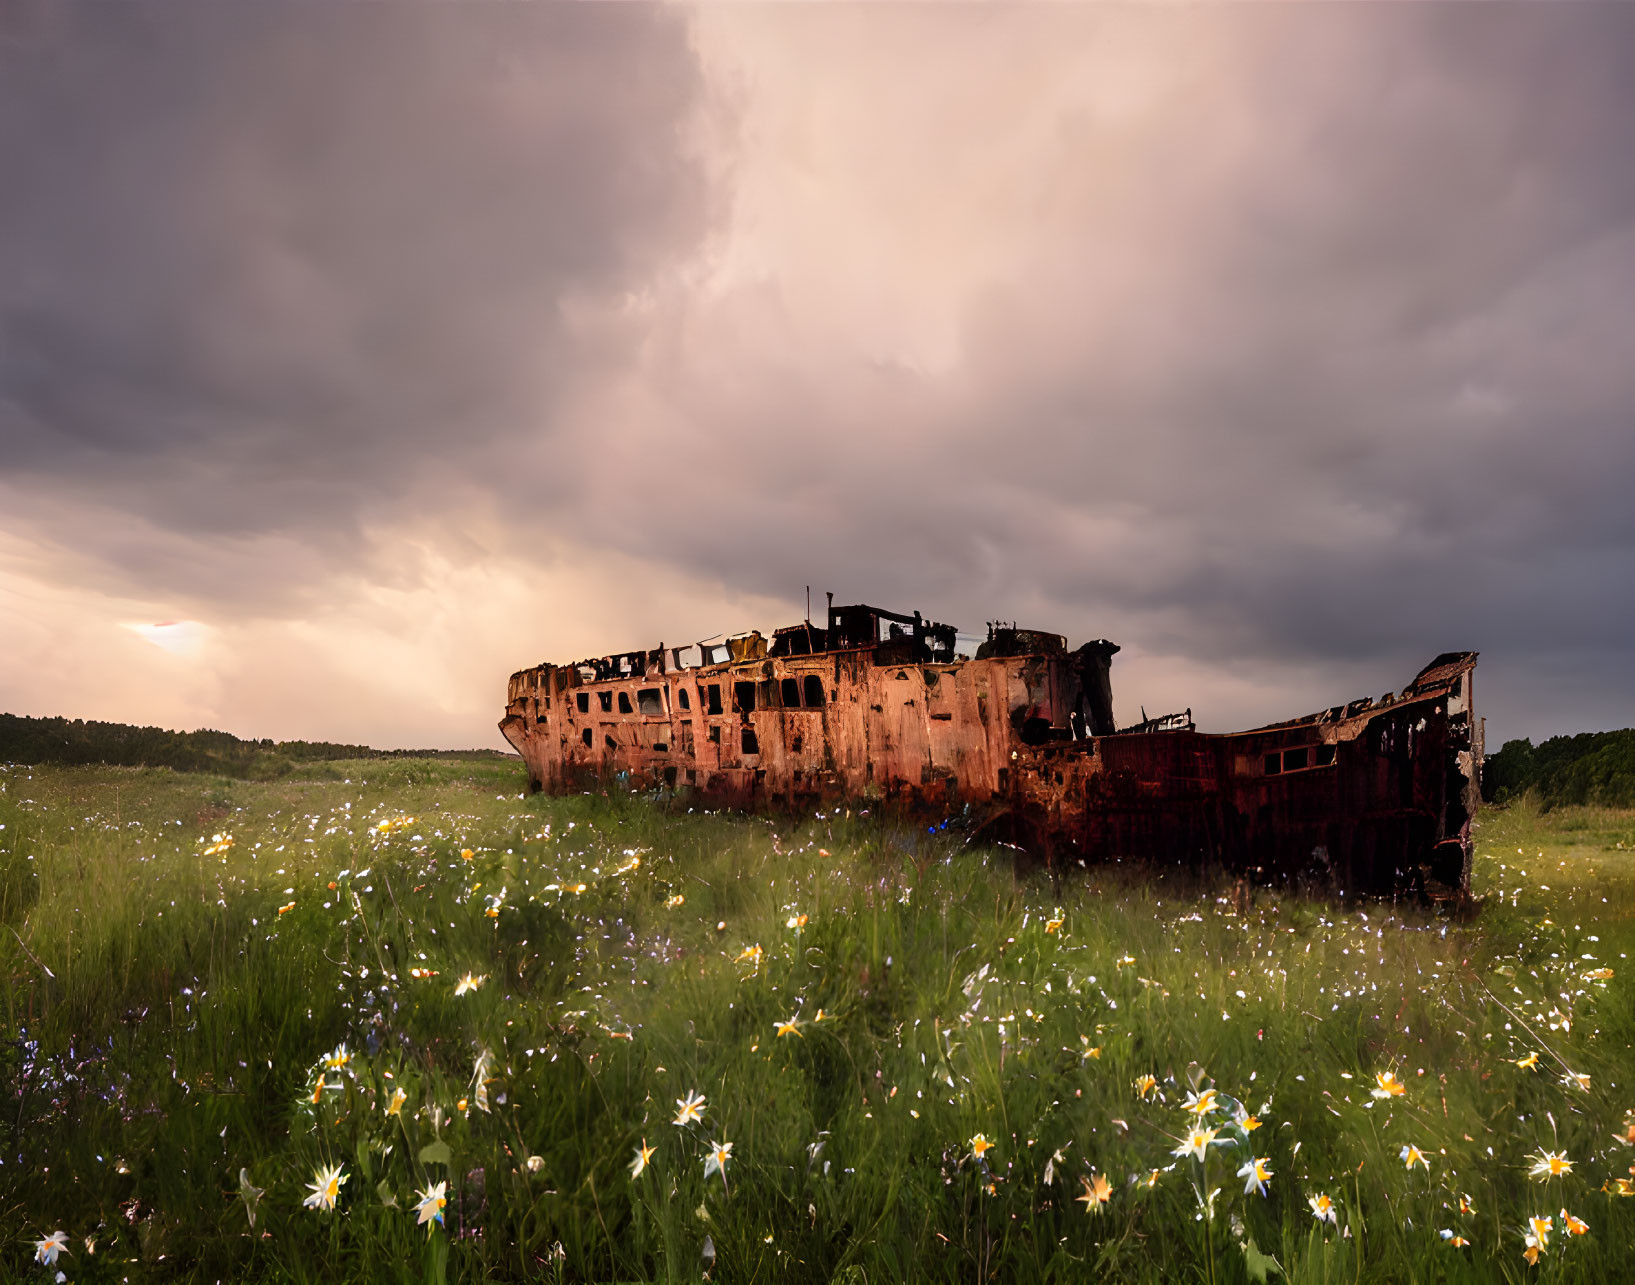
[{"x": 355, "y": 355}]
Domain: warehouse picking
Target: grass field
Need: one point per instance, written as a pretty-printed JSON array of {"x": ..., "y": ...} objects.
[{"x": 925, "y": 1068}]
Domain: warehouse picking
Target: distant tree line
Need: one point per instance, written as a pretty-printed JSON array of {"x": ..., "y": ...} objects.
[
  {"x": 1593, "y": 767},
  {"x": 78, "y": 741}
]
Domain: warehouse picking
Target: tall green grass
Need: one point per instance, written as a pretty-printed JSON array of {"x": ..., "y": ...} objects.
[{"x": 172, "y": 997}]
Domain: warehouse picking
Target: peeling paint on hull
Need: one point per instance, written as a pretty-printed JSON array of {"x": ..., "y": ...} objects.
[{"x": 1371, "y": 797}]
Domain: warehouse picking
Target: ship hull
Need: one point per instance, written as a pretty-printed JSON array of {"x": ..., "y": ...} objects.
[{"x": 1371, "y": 797}]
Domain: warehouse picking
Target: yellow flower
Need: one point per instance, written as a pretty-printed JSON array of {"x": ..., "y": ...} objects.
[
  {"x": 1126, "y": 961},
  {"x": 980, "y": 1146},
  {"x": 1575, "y": 1080},
  {"x": 466, "y": 854},
  {"x": 326, "y": 1188},
  {"x": 1088, "y": 1051},
  {"x": 1411, "y": 1156},
  {"x": 1466, "y": 1204},
  {"x": 339, "y": 1058},
  {"x": 394, "y": 1105},
  {"x": 1195, "y": 1143},
  {"x": 1257, "y": 1175},
  {"x": 1244, "y": 1120},
  {"x": 430, "y": 1207},
  {"x": 690, "y": 1109},
  {"x": 1144, "y": 1085},
  {"x": 791, "y": 1027},
  {"x": 1051, "y": 925},
  {"x": 469, "y": 983},
  {"x": 1097, "y": 1192},
  {"x": 1550, "y": 1164},
  {"x": 644, "y": 1153},
  {"x": 462, "y": 1105},
  {"x": 1598, "y": 975},
  {"x": 318, "y": 1091},
  {"x": 716, "y": 1161},
  {"x": 46, "y": 1250},
  {"x": 1453, "y": 1238},
  {"x": 1322, "y": 1209},
  {"x": 1574, "y": 1226},
  {"x": 1200, "y": 1103},
  {"x": 796, "y": 922},
  {"x": 284, "y": 910},
  {"x": 1528, "y": 1063},
  {"x": 1536, "y": 1233},
  {"x": 1388, "y": 1085},
  {"x": 671, "y": 902}
]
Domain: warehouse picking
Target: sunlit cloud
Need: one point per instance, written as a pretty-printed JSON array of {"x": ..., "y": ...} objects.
[{"x": 178, "y": 637}]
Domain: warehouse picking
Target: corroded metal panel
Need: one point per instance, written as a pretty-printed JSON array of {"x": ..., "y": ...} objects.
[{"x": 1370, "y": 796}]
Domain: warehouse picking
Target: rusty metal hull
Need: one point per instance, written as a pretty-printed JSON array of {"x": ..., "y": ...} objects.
[{"x": 1372, "y": 797}]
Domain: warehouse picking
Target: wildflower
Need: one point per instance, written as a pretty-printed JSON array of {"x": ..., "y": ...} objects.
[
  {"x": 1322, "y": 1209},
  {"x": 690, "y": 1109},
  {"x": 394, "y": 1105},
  {"x": 671, "y": 902},
  {"x": 284, "y": 910},
  {"x": 326, "y": 1188},
  {"x": 1195, "y": 1143},
  {"x": 1388, "y": 1085},
  {"x": 462, "y": 1105},
  {"x": 575, "y": 888},
  {"x": 469, "y": 983},
  {"x": 1559, "y": 1021},
  {"x": 1411, "y": 1155},
  {"x": 318, "y": 1091},
  {"x": 797, "y": 922},
  {"x": 218, "y": 843},
  {"x": 1097, "y": 1192},
  {"x": 339, "y": 1058},
  {"x": 1126, "y": 961},
  {"x": 1550, "y": 1164},
  {"x": 466, "y": 854},
  {"x": 1256, "y": 1175},
  {"x": 1051, "y": 925},
  {"x": 430, "y": 1208},
  {"x": 535, "y": 1163},
  {"x": 1089, "y": 1051},
  {"x": 1536, "y": 1234},
  {"x": 1598, "y": 975},
  {"x": 1144, "y": 1085},
  {"x": 980, "y": 1146},
  {"x": 1620, "y": 1187},
  {"x": 1200, "y": 1103},
  {"x": 750, "y": 955},
  {"x": 1244, "y": 1120},
  {"x": 791, "y": 1027},
  {"x": 1528, "y": 1063},
  {"x": 1453, "y": 1238},
  {"x": 1574, "y": 1080},
  {"x": 423, "y": 972},
  {"x": 1466, "y": 1204},
  {"x": 644, "y": 1153},
  {"x": 46, "y": 1251},
  {"x": 716, "y": 1161},
  {"x": 1574, "y": 1226}
]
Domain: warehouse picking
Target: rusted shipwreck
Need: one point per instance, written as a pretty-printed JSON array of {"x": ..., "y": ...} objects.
[{"x": 1374, "y": 796}]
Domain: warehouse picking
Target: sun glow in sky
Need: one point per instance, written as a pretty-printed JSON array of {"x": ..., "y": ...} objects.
[{"x": 353, "y": 357}]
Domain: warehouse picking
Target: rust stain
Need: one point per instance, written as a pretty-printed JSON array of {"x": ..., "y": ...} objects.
[{"x": 1372, "y": 797}]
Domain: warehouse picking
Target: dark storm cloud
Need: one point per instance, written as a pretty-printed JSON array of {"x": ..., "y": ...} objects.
[
  {"x": 1264, "y": 338},
  {"x": 1327, "y": 358},
  {"x": 262, "y": 265}
]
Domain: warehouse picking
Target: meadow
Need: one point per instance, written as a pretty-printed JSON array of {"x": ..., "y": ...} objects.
[{"x": 393, "y": 1021}]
